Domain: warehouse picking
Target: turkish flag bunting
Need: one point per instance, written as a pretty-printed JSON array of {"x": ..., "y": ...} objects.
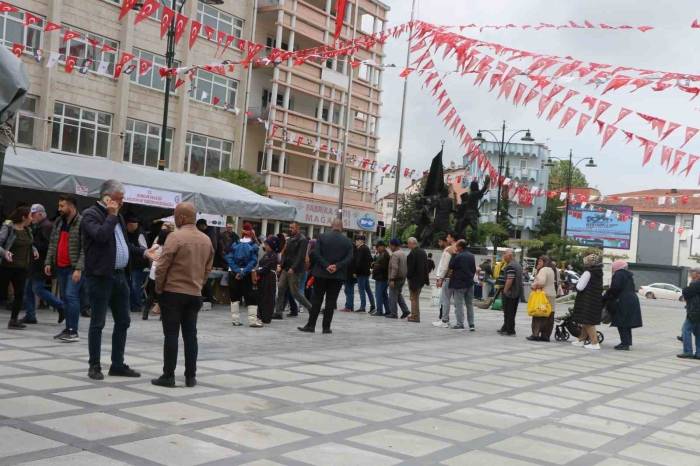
[
  {"x": 601, "y": 125},
  {"x": 530, "y": 97},
  {"x": 544, "y": 102},
  {"x": 506, "y": 88},
  {"x": 677, "y": 159},
  {"x": 18, "y": 49},
  {"x": 70, "y": 63},
  {"x": 629, "y": 135},
  {"x": 166, "y": 20},
  {"x": 215, "y": 101},
  {"x": 68, "y": 35},
  {"x": 229, "y": 39},
  {"x": 658, "y": 124},
  {"x": 689, "y": 134},
  {"x": 640, "y": 83},
  {"x": 623, "y": 113},
  {"x": 519, "y": 93},
  {"x": 671, "y": 128},
  {"x": 144, "y": 66},
  {"x": 126, "y": 6},
  {"x": 695, "y": 24},
  {"x": 649, "y": 148},
  {"x": 590, "y": 101},
  {"x": 30, "y": 19},
  {"x": 7, "y": 8},
  {"x": 554, "y": 110},
  {"x": 556, "y": 89},
  {"x": 569, "y": 95},
  {"x": 340, "y": 7},
  {"x": 582, "y": 122},
  {"x": 209, "y": 32},
  {"x": 406, "y": 72},
  {"x": 195, "y": 27},
  {"x": 147, "y": 10},
  {"x": 610, "y": 130},
  {"x": 602, "y": 107},
  {"x": 125, "y": 58},
  {"x": 568, "y": 115},
  {"x": 616, "y": 83},
  {"x": 666, "y": 156},
  {"x": 691, "y": 161},
  {"x": 108, "y": 48},
  {"x": 180, "y": 24},
  {"x": 220, "y": 38}
]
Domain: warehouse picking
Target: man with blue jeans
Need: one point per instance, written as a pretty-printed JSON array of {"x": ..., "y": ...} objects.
[
  {"x": 139, "y": 266},
  {"x": 691, "y": 326},
  {"x": 107, "y": 255},
  {"x": 363, "y": 263},
  {"x": 443, "y": 279},
  {"x": 462, "y": 268},
  {"x": 380, "y": 273}
]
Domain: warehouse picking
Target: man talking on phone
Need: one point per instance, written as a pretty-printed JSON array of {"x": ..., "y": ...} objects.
[{"x": 107, "y": 254}]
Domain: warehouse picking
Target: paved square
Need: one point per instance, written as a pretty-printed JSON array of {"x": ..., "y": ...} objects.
[{"x": 377, "y": 392}]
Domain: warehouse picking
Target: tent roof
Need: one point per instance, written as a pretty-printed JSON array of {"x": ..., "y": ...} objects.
[{"x": 46, "y": 171}]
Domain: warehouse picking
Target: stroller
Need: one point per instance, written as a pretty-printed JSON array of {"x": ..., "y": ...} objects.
[{"x": 566, "y": 327}]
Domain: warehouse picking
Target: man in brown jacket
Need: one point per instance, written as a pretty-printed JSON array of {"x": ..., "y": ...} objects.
[{"x": 183, "y": 268}]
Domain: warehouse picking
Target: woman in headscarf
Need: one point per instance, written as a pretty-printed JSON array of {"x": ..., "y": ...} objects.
[
  {"x": 267, "y": 279},
  {"x": 242, "y": 261},
  {"x": 622, "y": 302},
  {"x": 545, "y": 280},
  {"x": 589, "y": 302}
]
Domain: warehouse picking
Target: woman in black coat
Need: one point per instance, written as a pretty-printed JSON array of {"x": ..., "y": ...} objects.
[
  {"x": 588, "y": 306},
  {"x": 622, "y": 302},
  {"x": 267, "y": 280}
]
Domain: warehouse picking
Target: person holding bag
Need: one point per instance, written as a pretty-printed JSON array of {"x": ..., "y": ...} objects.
[
  {"x": 545, "y": 283},
  {"x": 622, "y": 303}
]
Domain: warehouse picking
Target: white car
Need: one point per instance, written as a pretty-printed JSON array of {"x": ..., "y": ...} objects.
[{"x": 661, "y": 291}]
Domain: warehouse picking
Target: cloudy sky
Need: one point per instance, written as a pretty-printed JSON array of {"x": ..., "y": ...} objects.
[{"x": 671, "y": 47}]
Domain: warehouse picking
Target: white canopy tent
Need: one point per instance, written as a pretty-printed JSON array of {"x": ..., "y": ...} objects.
[{"x": 30, "y": 169}]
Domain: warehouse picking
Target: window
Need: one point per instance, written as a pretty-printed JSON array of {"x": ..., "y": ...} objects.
[
  {"x": 331, "y": 173},
  {"x": 81, "y": 131},
  {"x": 376, "y": 75},
  {"x": 89, "y": 55},
  {"x": 321, "y": 172},
  {"x": 364, "y": 72},
  {"x": 205, "y": 155},
  {"x": 523, "y": 164},
  {"x": 153, "y": 78},
  {"x": 208, "y": 85},
  {"x": 169, "y": 3},
  {"x": 220, "y": 21},
  {"x": 12, "y": 31},
  {"x": 390, "y": 204},
  {"x": 367, "y": 23},
  {"x": 142, "y": 143},
  {"x": 24, "y": 122},
  {"x": 262, "y": 163}
]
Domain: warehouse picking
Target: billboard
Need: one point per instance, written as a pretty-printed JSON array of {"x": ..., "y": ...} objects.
[{"x": 600, "y": 229}]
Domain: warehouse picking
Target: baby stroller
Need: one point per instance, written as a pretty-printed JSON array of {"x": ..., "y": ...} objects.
[{"x": 566, "y": 327}]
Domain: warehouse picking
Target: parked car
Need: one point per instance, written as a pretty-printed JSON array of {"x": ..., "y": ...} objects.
[{"x": 661, "y": 291}]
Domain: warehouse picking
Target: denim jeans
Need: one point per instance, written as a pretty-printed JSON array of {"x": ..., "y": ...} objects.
[
  {"x": 136, "y": 291},
  {"x": 70, "y": 293},
  {"x": 109, "y": 292},
  {"x": 396, "y": 299},
  {"x": 381, "y": 291},
  {"x": 445, "y": 301},
  {"x": 690, "y": 329},
  {"x": 469, "y": 303},
  {"x": 363, "y": 286},
  {"x": 37, "y": 287},
  {"x": 349, "y": 294},
  {"x": 457, "y": 297}
]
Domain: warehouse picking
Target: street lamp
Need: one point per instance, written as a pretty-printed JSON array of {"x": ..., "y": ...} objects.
[
  {"x": 169, "y": 60},
  {"x": 569, "y": 179},
  {"x": 501, "y": 158}
]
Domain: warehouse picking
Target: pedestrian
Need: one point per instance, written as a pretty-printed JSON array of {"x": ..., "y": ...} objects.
[
  {"x": 156, "y": 250},
  {"x": 331, "y": 256},
  {"x": 107, "y": 254},
  {"x": 36, "y": 282},
  {"x": 380, "y": 274},
  {"x": 65, "y": 260},
  {"x": 488, "y": 281},
  {"x": 691, "y": 326},
  {"x": 398, "y": 267},
  {"x": 363, "y": 262},
  {"x": 622, "y": 303},
  {"x": 349, "y": 285},
  {"x": 226, "y": 239},
  {"x": 267, "y": 279},
  {"x": 589, "y": 302},
  {"x": 203, "y": 226},
  {"x": 183, "y": 267},
  {"x": 431, "y": 263},
  {"x": 139, "y": 265},
  {"x": 443, "y": 280},
  {"x": 292, "y": 270},
  {"x": 545, "y": 280},
  {"x": 417, "y": 273},
  {"x": 242, "y": 261},
  {"x": 462, "y": 268},
  {"x": 309, "y": 261},
  {"x": 16, "y": 253},
  {"x": 512, "y": 292}
]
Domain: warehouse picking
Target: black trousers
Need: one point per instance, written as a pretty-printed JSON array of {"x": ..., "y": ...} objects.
[
  {"x": 625, "y": 335},
  {"x": 330, "y": 289},
  {"x": 18, "y": 278},
  {"x": 179, "y": 311},
  {"x": 510, "y": 308}
]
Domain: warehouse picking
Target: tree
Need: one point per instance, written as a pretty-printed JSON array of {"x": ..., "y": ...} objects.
[
  {"x": 493, "y": 232},
  {"x": 405, "y": 210},
  {"x": 558, "y": 176},
  {"x": 243, "y": 179},
  {"x": 550, "y": 221}
]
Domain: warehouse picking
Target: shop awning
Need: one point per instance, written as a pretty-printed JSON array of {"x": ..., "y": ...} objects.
[{"x": 30, "y": 169}]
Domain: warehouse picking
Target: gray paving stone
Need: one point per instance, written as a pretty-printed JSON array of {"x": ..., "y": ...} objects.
[
  {"x": 400, "y": 442},
  {"x": 477, "y": 457},
  {"x": 252, "y": 434},
  {"x": 485, "y": 418},
  {"x": 340, "y": 387},
  {"x": 340, "y": 455},
  {"x": 15, "y": 442},
  {"x": 176, "y": 450},
  {"x": 240, "y": 403},
  {"x": 105, "y": 396},
  {"x": 658, "y": 455},
  {"x": 84, "y": 458},
  {"x": 295, "y": 394},
  {"x": 538, "y": 450},
  {"x": 174, "y": 413},
  {"x": 27, "y": 406},
  {"x": 412, "y": 402},
  {"x": 449, "y": 430},
  {"x": 313, "y": 421},
  {"x": 368, "y": 411},
  {"x": 94, "y": 426}
]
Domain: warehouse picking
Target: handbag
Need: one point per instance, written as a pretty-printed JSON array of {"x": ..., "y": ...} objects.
[{"x": 538, "y": 305}]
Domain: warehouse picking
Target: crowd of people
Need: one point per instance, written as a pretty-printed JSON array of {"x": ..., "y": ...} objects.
[{"x": 101, "y": 260}]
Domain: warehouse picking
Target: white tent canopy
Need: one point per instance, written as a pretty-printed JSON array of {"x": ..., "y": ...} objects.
[{"x": 45, "y": 171}]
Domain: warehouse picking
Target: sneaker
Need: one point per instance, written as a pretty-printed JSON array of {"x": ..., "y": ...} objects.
[
  {"x": 472, "y": 328},
  {"x": 190, "y": 382},
  {"x": 622, "y": 347},
  {"x": 457, "y": 327},
  {"x": 164, "y": 381},
  {"x": 685, "y": 356},
  {"x": 578, "y": 343},
  {"x": 441, "y": 324},
  {"x": 70, "y": 337},
  {"x": 236, "y": 324},
  {"x": 124, "y": 371},
  {"x": 25, "y": 320},
  {"x": 58, "y": 336},
  {"x": 95, "y": 372},
  {"x": 14, "y": 324},
  {"x": 592, "y": 347},
  {"x": 360, "y": 310}
]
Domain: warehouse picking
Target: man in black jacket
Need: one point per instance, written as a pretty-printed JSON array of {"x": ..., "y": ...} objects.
[
  {"x": 417, "y": 275},
  {"x": 293, "y": 262},
  {"x": 380, "y": 273},
  {"x": 691, "y": 326},
  {"x": 363, "y": 262},
  {"x": 331, "y": 256},
  {"x": 107, "y": 254},
  {"x": 461, "y": 288}
]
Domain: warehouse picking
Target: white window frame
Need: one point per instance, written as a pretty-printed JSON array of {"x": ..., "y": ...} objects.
[
  {"x": 60, "y": 121},
  {"x": 209, "y": 145},
  {"x": 220, "y": 21},
  {"x": 30, "y": 35},
  {"x": 29, "y": 116},
  {"x": 215, "y": 85},
  {"x": 131, "y": 133},
  {"x": 88, "y": 51},
  {"x": 153, "y": 74}
]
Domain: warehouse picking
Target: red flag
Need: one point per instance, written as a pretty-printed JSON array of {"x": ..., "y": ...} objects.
[
  {"x": 582, "y": 122},
  {"x": 126, "y": 6},
  {"x": 691, "y": 161},
  {"x": 590, "y": 101},
  {"x": 554, "y": 110},
  {"x": 609, "y": 132},
  {"x": 70, "y": 63},
  {"x": 125, "y": 58},
  {"x": 179, "y": 82},
  {"x": 671, "y": 128},
  {"x": 530, "y": 96},
  {"x": 602, "y": 107},
  {"x": 616, "y": 83},
  {"x": 568, "y": 115},
  {"x": 649, "y": 148},
  {"x": 629, "y": 135},
  {"x": 340, "y": 7},
  {"x": 519, "y": 93},
  {"x": 406, "y": 72},
  {"x": 689, "y": 134},
  {"x": 569, "y": 95},
  {"x": 666, "y": 156},
  {"x": 51, "y": 26},
  {"x": 147, "y": 10},
  {"x": 30, "y": 19},
  {"x": 229, "y": 40},
  {"x": 195, "y": 27},
  {"x": 108, "y": 48},
  {"x": 18, "y": 49},
  {"x": 695, "y": 24},
  {"x": 623, "y": 113},
  {"x": 544, "y": 102},
  {"x": 7, "y": 8},
  {"x": 166, "y": 20},
  {"x": 215, "y": 101},
  {"x": 209, "y": 32},
  {"x": 180, "y": 24},
  {"x": 68, "y": 35},
  {"x": 144, "y": 66},
  {"x": 677, "y": 159}
]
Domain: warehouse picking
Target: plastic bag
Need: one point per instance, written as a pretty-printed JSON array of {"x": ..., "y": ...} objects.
[
  {"x": 538, "y": 304},
  {"x": 436, "y": 294},
  {"x": 497, "y": 304}
]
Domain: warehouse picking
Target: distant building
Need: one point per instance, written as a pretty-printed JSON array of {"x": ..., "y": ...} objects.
[{"x": 385, "y": 209}]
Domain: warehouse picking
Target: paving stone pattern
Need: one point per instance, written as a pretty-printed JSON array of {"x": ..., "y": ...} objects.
[{"x": 377, "y": 392}]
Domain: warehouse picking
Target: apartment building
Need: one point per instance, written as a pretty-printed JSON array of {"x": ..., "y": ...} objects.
[
  {"x": 88, "y": 113},
  {"x": 311, "y": 100}
]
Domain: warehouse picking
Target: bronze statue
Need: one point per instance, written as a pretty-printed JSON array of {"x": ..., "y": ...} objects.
[
  {"x": 443, "y": 206},
  {"x": 468, "y": 211}
]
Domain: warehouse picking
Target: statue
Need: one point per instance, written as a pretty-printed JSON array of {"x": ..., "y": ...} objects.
[
  {"x": 443, "y": 206},
  {"x": 421, "y": 217},
  {"x": 468, "y": 211}
]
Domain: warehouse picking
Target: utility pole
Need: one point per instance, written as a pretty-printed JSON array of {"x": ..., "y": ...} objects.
[
  {"x": 244, "y": 128},
  {"x": 169, "y": 60}
]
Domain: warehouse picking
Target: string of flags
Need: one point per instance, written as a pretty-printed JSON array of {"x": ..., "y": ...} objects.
[{"x": 585, "y": 24}]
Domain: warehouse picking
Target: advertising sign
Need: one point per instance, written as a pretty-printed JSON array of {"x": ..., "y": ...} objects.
[
  {"x": 316, "y": 213},
  {"x": 601, "y": 229},
  {"x": 151, "y": 197}
]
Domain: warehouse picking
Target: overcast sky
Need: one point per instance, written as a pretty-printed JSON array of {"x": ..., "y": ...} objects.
[{"x": 671, "y": 47}]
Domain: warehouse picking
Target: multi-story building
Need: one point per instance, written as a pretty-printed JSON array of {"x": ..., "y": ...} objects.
[
  {"x": 92, "y": 114},
  {"x": 311, "y": 100},
  {"x": 524, "y": 164}
]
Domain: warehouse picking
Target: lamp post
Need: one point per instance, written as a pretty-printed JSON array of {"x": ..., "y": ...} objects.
[
  {"x": 502, "y": 144},
  {"x": 169, "y": 60},
  {"x": 569, "y": 179}
]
